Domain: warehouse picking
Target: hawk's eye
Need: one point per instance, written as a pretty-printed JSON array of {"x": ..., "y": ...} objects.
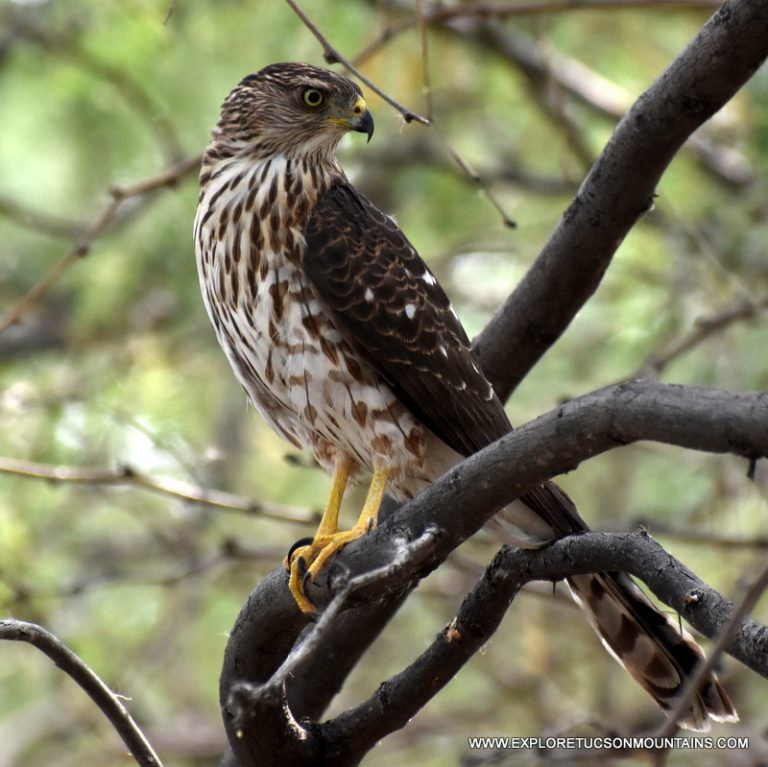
[{"x": 313, "y": 97}]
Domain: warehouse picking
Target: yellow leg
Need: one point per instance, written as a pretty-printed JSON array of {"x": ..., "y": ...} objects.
[
  {"x": 307, "y": 561},
  {"x": 297, "y": 559}
]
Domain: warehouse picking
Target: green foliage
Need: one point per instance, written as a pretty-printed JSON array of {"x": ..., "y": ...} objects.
[{"x": 117, "y": 366}]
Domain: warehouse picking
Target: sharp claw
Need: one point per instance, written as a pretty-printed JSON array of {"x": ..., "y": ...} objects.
[
  {"x": 301, "y": 542},
  {"x": 306, "y": 576}
]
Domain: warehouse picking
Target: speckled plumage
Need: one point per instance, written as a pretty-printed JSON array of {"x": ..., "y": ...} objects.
[{"x": 346, "y": 343}]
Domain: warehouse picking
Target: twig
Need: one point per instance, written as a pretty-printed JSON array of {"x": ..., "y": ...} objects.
[
  {"x": 397, "y": 699},
  {"x": 332, "y": 56},
  {"x": 698, "y": 537},
  {"x": 38, "y": 221},
  {"x": 440, "y": 14},
  {"x": 705, "y": 328},
  {"x": 171, "y": 10},
  {"x": 478, "y": 180},
  {"x": 461, "y": 501},
  {"x": 409, "y": 553},
  {"x": 389, "y": 33},
  {"x": 480, "y": 10},
  {"x": 598, "y": 93},
  {"x": 352, "y": 733},
  {"x": 425, "y": 68},
  {"x": 105, "y": 219},
  {"x": 83, "y": 675},
  {"x": 126, "y": 475}
]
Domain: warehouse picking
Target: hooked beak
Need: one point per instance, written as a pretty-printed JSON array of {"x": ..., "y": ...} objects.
[{"x": 362, "y": 119}]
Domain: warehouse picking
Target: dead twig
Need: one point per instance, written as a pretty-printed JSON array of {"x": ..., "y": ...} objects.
[
  {"x": 509, "y": 10},
  {"x": 102, "y": 222},
  {"x": 705, "y": 328},
  {"x": 127, "y": 476}
]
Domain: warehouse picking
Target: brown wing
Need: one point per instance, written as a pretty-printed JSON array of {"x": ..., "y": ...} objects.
[{"x": 391, "y": 310}]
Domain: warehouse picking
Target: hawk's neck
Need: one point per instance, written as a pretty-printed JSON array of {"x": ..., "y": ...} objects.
[{"x": 272, "y": 192}]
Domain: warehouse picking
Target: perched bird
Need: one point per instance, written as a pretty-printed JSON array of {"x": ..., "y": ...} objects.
[{"x": 347, "y": 345}]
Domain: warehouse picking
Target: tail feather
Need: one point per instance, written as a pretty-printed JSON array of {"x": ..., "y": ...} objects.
[{"x": 660, "y": 655}]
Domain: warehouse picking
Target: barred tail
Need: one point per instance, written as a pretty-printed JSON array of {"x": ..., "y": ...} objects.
[{"x": 659, "y": 654}]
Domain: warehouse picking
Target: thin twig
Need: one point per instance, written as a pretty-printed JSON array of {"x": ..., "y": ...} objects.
[
  {"x": 332, "y": 56},
  {"x": 171, "y": 10},
  {"x": 102, "y": 222},
  {"x": 697, "y": 537},
  {"x": 481, "y": 184},
  {"x": 479, "y": 10},
  {"x": 706, "y": 327},
  {"x": 389, "y": 33},
  {"x": 425, "y": 68},
  {"x": 39, "y": 221},
  {"x": 128, "y": 476},
  {"x": 83, "y": 675}
]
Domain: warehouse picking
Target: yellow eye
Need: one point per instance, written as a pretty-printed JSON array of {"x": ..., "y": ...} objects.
[{"x": 313, "y": 97}]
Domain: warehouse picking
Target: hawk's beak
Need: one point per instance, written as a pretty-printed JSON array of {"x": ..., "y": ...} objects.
[{"x": 362, "y": 119}]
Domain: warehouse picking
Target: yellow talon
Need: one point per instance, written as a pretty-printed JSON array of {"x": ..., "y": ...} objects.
[{"x": 305, "y": 562}]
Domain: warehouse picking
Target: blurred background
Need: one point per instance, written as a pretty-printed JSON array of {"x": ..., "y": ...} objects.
[{"x": 141, "y": 499}]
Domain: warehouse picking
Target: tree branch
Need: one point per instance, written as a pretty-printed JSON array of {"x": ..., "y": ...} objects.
[
  {"x": 350, "y": 735},
  {"x": 509, "y": 10},
  {"x": 620, "y": 188},
  {"x": 705, "y": 327},
  {"x": 735, "y": 622},
  {"x": 67, "y": 45},
  {"x": 354, "y": 732},
  {"x": 459, "y": 503},
  {"x": 99, "y": 693}
]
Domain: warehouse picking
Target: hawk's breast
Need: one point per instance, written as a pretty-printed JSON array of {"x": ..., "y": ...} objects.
[{"x": 292, "y": 361}]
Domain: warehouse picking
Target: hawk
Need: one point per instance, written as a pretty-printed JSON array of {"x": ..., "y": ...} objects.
[{"x": 346, "y": 343}]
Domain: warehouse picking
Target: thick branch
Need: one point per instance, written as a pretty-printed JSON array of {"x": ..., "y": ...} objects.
[
  {"x": 348, "y": 737},
  {"x": 263, "y": 713},
  {"x": 459, "y": 503},
  {"x": 721, "y": 59},
  {"x": 464, "y": 499},
  {"x": 353, "y": 733},
  {"x": 620, "y": 188}
]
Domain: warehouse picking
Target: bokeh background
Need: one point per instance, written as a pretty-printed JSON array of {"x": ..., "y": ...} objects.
[{"x": 115, "y": 399}]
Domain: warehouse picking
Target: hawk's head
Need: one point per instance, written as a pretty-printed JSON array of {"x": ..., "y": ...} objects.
[{"x": 296, "y": 109}]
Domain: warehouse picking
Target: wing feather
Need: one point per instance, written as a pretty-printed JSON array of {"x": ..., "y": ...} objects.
[{"x": 389, "y": 307}]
